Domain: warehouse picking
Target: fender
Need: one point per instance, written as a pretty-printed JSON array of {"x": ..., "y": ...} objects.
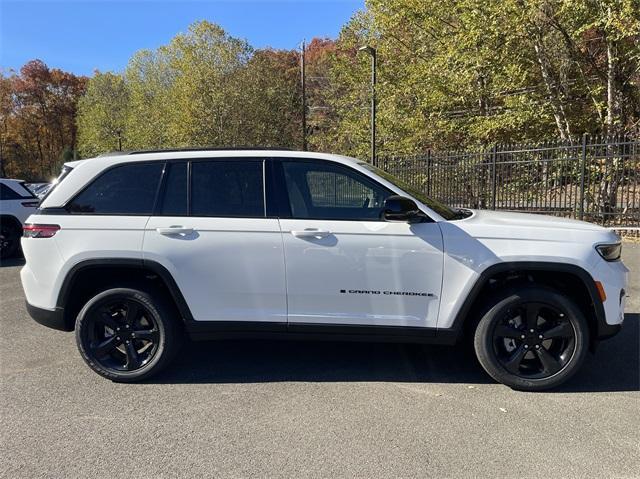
[
  {"x": 156, "y": 268},
  {"x": 603, "y": 330}
]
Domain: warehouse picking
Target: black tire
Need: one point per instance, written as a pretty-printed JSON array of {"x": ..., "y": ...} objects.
[
  {"x": 10, "y": 233},
  {"x": 532, "y": 339},
  {"x": 127, "y": 335}
]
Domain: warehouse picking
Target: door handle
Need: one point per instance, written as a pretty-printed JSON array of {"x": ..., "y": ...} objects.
[
  {"x": 174, "y": 230},
  {"x": 311, "y": 233}
]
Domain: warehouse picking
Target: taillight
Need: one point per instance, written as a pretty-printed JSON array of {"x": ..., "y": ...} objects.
[
  {"x": 30, "y": 204},
  {"x": 40, "y": 231}
]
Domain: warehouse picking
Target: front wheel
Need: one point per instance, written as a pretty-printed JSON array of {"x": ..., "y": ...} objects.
[
  {"x": 532, "y": 339},
  {"x": 127, "y": 335}
]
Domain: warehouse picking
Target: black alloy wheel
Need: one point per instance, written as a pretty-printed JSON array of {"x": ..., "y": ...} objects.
[
  {"x": 123, "y": 335},
  {"x": 532, "y": 339},
  {"x": 127, "y": 335}
]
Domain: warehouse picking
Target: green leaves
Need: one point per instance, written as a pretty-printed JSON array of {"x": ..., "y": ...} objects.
[
  {"x": 471, "y": 72},
  {"x": 205, "y": 88}
]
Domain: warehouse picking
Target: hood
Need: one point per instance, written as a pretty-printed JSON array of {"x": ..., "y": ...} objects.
[
  {"x": 524, "y": 226},
  {"x": 508, "y": 219}
]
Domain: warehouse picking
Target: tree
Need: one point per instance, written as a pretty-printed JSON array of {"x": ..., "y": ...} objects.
[
  {"x": 475, "y": 72},
  {"x": 39, "y": 107},
  {"x": 103, "y": 114},
  {"x": 271, "y": 113}
]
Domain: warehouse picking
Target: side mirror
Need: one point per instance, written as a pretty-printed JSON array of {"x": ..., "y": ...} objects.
[{"x": 399, "y": 209}]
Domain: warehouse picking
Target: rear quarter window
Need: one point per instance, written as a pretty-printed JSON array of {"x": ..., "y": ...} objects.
[{"x": 122, "y": 190}]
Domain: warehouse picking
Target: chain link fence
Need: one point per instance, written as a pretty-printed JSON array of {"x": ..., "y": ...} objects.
[{"x": 594, "y": 179}]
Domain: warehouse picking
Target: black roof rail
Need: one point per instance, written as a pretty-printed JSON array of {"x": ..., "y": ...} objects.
[
  {"x": 114, "y": 153},
  {"x": 176, "y": 150}
]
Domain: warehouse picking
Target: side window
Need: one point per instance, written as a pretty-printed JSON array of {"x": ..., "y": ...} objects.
[
  {"x": 327, "y": 191},
  {"x": 174, "y": 200},
  {"x": 227, "y": 188},
  {"x": 124, "y": 190}
]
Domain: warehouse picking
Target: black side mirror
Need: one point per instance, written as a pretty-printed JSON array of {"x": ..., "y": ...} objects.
[{"x": 402, "y": 210}]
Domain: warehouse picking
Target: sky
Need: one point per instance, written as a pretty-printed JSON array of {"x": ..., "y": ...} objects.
[{"x": 83, "y": 35}]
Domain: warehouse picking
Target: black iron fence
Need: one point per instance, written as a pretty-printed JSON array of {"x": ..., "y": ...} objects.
[{"x": 594, "y": 179}]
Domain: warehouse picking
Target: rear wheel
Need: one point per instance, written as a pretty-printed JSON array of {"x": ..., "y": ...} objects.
[
  {"x": 10, "y": 233},
  {"x": 127, "y": 335},
  {"x": 532, "y": 339}
]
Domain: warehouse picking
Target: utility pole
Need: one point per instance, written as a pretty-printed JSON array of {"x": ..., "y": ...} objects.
[
  {"x": 303, "y": 81},
  {"x": 372, "y": 51}
]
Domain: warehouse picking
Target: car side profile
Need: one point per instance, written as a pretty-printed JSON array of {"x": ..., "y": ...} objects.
[
  {"x": 134, "y": 250},
  {"x": 17, "y": 202}
]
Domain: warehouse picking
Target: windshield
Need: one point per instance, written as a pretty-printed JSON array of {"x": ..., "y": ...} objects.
[{"x": 443, "y": 210}]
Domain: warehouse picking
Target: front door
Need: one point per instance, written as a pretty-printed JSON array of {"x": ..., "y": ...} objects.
[
  {"x": 344, "y": 264},
  {"x": 211, "y": 232}
]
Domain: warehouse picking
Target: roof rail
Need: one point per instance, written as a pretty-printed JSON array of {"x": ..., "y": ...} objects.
[
  {"x": 114, "y": 153},
  {"x": 174, "y": 150}
]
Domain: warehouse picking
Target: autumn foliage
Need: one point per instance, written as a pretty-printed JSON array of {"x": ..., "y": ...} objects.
[
  {"x": 464, "y": 74},
  {"x": 38, "y": 129}
]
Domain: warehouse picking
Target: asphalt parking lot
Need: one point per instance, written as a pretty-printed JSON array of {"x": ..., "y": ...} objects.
[{"x": 280, "y": 409}]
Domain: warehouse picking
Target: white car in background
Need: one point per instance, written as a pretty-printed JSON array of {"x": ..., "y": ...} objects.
[
  {"x": 39, "y": 189},
  {"x": 17, "y": 202}
]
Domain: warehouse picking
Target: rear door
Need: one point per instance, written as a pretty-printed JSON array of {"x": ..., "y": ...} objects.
[
  {"x": 211, "y": 232},
  {"x": 344, "y": 264}
]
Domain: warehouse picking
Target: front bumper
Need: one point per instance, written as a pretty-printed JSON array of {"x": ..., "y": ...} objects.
[
  {"x": 614, "y": 278},
  {"x": 51, "y": 319}
]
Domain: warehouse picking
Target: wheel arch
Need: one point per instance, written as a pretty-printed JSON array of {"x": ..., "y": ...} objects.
[
  {"x": 11, "y": 219},
  {"x": 77, "y": 287},
  {"x": 580, "y": 286}
]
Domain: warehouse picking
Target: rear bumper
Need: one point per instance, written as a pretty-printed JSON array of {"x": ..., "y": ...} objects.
[{"x": 51, "y": 319}]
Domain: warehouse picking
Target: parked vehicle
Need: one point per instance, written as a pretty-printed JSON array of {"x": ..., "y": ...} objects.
[
  {"x": 16, "y": 204},
  {"x": 38, "y": 189},
  {"x": 133, "y": 250}
]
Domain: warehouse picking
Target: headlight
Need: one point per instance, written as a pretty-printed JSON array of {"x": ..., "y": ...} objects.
[{"x": 610, "y": 252}]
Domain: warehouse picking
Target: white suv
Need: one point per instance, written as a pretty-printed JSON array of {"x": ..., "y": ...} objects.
[
  {"x": 17, "y": 202},
  {"x": 133, "y": 250}
]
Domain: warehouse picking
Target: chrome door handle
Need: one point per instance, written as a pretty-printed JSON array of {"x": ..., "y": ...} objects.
[
  {"x": 311, "y": 233},
  {"x": 174, "y": 230}
]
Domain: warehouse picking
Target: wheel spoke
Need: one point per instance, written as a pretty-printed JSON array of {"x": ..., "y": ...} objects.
[
  {"x": 133, "y": 360},
  {"x": 132, "y": 312},
  {"x": 531, "y": 315},
  {"x": 147, "y": 335},
  {"x": 103, "y": 348},
  {"x": 562, "y": 330},
  {"x": 513, "y": 363},
  {"x": 506, "y": 331},
  {"x": 549, "y": 363},
  {"x": 107, "y": 318}
]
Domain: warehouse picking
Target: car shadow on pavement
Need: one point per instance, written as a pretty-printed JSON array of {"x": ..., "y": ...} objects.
[
  {"x": 616, "y": 364},
  {"x": 614, "y": 367},
  {"x": 254, "y": 361}
]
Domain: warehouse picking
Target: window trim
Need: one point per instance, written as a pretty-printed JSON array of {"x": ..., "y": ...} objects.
[
  {"x": 168, "y": 165},
  {"x": 285, "y": 210},
  {"x": 67, "y": 204}
]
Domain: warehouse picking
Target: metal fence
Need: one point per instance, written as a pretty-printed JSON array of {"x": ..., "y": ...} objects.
[{"x": 594, "y": 179}]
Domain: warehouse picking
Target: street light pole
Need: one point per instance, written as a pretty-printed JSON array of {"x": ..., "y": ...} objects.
[
  {"x": 303, "y": 81},
  {"x": 372, "y": 51}
]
